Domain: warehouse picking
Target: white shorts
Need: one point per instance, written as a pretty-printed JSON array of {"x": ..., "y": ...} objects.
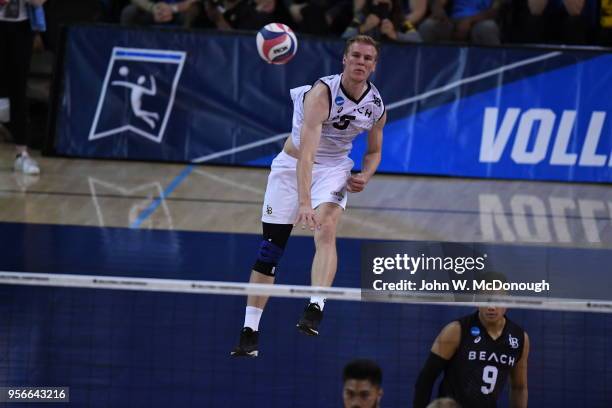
[{"x": 281, "y": 201}]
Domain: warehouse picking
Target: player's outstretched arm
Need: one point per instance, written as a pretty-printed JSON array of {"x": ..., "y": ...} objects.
[
  {"x": 316, "y": 111},
  {"x": 371, "y": 159},
  {"x": 443, "y": 349},
  {"x": 518, "y": 379}
]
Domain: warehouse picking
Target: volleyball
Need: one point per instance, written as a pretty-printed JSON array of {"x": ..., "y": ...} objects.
[{"x": 276, "y": 43}]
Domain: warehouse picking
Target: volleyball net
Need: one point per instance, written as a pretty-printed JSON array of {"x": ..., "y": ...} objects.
[{"x": 499, "y": 294}]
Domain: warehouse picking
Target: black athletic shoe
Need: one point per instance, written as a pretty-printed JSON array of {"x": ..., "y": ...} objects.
[
  {"x": 309, "y": 323},
  {"x": 248, "y": 344}
]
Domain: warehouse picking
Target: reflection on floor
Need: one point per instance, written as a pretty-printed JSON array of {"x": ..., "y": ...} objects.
[{"x": 206, "y": 198}]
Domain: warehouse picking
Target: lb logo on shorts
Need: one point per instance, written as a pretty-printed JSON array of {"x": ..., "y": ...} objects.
[
  {"x": 339, "y": 195},
  {"x": 268, "y": 210}
]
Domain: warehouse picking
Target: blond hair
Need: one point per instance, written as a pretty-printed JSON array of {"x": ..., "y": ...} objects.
[{"x": 361, "y": 38}]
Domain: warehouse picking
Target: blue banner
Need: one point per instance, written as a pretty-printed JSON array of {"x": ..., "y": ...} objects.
[{"x": 519, "y": 113}]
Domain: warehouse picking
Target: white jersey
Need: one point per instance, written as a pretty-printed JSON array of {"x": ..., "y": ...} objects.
[{"x": 347, "y": 118}]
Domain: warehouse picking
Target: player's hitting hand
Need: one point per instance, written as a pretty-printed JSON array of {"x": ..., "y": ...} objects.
[
  {"x": 306, "y": 218},
  {"x": 356, "y": 183}
]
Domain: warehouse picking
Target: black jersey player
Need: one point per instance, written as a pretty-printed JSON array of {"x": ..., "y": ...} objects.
[{"x": 477, "y": 354}]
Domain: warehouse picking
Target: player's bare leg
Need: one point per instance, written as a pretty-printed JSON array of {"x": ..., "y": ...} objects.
[
  {"x": 325, "y": 261},
  {"x": 259, "y": 301},
  {"x": 324, "y": 264}
]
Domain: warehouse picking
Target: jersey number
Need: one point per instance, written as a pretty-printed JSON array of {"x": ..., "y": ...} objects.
[
  {"x": 489, "y": 377},
  {"x": 344, "y": 121}
]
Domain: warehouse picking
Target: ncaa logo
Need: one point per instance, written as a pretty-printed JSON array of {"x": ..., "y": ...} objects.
[
  {"x": 513, "y": 341},
  {"x": 339, "y": 100},
  {"x": 475, "y": 331},
  {"x": 138, "y": 93}
]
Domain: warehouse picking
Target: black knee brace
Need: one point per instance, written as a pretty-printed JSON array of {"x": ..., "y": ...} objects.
[{"x": 272, "y": 246}]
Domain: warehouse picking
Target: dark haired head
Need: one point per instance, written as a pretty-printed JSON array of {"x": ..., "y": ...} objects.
[{"x": 363, "y": 369}]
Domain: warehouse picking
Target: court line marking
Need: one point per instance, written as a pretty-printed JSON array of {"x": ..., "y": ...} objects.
[
  {"x": 146, "y": 213},
  {"x": 393, "y": 105},
  {"x": 292, "y": 291}
]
